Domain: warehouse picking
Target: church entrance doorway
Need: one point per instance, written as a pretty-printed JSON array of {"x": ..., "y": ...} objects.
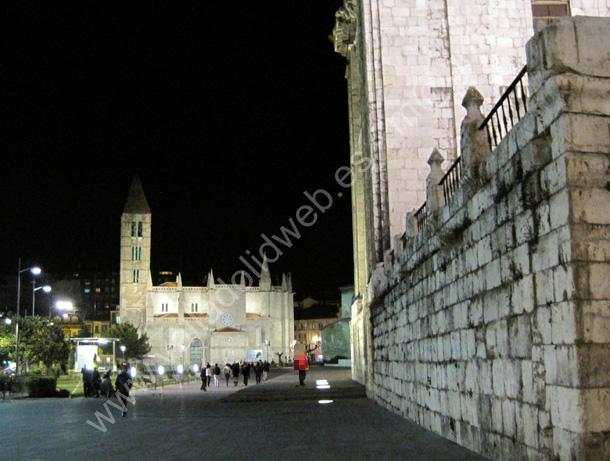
[{"x": 196, "y": 352}]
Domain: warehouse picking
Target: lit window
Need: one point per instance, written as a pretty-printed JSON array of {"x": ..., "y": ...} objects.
[{"x": 98, "y": 290}]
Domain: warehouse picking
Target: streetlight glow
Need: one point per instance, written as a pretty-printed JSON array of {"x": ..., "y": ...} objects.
[
  {"x": 161, "y": 370},
  {"x": 7, "y": 321},
  {"x": 64, "y": 305},
  {"x": 180, "y": 369},
  {"x": 35, "y": 270},
  {"x": 46, "y": 289}
]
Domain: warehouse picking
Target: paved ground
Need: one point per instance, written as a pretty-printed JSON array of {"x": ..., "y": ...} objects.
[{"x": 276, "y": 420}]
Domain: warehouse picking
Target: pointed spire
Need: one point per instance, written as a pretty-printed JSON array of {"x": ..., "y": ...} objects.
[
  {"x": 265, "y": 278},
  {"x": 136, "y": 202},
  {"x": 179, "y": 280},
  {"x": 242, "y": 279},
  {"x": 289, "y": 282},
  {"x": 284, "y": 283},
  {"x": 149, "y": 281},
  {"x": 211, "y": 279}
]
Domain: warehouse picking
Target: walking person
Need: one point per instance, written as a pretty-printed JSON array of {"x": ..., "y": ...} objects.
[
  {"x": 204, "y": 379},
  {"x": 227, "y": 372},
  {"x": 216, "y": 373},
  {"x": 123, "y": 385},
  {"x": 106, "y": 387},
  {"x": 245, "y": 371},
  {"x": 258, "y": 372},
  {"x": 208, "y": 374},
  {"x": 265, "y": 370},
  {"x": 96, "y": 381},
  {"x": 235, "y": 371}
]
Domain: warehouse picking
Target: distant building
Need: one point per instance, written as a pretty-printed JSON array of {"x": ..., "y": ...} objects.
[
  {"x": 336, "y": 335},
  {"x": 197, "y": 324},
  {"x": 310, "y": 318}
]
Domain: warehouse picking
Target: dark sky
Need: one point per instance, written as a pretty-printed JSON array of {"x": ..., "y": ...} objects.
[{"x": 228, "y": 111}]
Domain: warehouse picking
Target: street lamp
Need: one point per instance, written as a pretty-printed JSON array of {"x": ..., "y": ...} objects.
[
  {"x": 63, "y": 306},
  {"x": 34, "y": 270},
  {"x": 123, "y": 349},
  {"x": 267, "y": 343},
  {"x": 45, "y": 288},
  {"x": 182, "y": 348}
]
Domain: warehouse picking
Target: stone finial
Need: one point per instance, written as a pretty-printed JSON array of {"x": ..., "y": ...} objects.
[
  {"x": 210, "y": 279},
  {"x": 411, "y": 224},
  {"x": 474, "y": 145},
  {"x": 179, "y": 280},
  {"x": 434, "y": 193},
  {"x": 436, "y": 159},
  {"x": 289, "y": 282},
  {"x": 472, "y": 102},
  {"x": 242, "y": 279},
  {"x": 265, "y": 277}
]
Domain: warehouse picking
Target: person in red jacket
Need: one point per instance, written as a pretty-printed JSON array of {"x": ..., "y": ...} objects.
[{"x": 300, "y": 362}]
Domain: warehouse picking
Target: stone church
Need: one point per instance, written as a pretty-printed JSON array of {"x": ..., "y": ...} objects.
[{"x": 197, "y": 324}]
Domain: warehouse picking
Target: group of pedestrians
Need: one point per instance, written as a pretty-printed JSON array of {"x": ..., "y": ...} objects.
[
  {"x": 95, "y": 384},
  {"x": 235, "y": 370}
]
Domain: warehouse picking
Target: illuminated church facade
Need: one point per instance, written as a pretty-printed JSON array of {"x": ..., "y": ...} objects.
[{"x": 216, "y": 323}]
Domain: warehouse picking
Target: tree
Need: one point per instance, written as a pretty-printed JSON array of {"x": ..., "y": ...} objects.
[
  {"x": 7, "y": 344},
  {"x": 136, "y": 347},
  {"x": 39, "y": 341}
]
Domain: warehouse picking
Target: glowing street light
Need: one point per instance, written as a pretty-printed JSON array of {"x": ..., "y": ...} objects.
[
  {"x": 63, "y": 306},
  {"x": 45, "y": 288},
  {"x": 195, "y": 368},
  {"x": 267, "y": 343},
  {"x": 7, "y": 321},
  {"x": 123, "y": 349}
]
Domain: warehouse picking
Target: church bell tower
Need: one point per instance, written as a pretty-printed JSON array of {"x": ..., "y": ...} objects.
[{"x": 135, "y": 256}]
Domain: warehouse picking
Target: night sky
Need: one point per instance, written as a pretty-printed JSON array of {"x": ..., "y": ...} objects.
[{"x": 228, "y": 112}]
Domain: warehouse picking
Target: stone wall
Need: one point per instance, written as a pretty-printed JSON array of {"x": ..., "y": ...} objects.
[{"x": 491, "y": 324}]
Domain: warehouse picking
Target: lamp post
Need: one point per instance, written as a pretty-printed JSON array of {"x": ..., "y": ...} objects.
[
  {"x": 267, "y": 343},
  {"x": 182, "y": 348},
  {"x": 45, "y": 288},
  {"x": 123, "y": 349},
  {"x": 35, "y": 270}
]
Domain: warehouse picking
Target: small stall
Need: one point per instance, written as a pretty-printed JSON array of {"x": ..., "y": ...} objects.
[{"x": 90, "y": 353}]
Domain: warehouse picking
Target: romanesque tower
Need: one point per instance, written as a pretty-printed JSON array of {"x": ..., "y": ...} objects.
[{"x": 135, "y": 255}]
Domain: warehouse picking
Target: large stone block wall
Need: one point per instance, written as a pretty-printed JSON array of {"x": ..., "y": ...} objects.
[{"x": 491, "y": 326}]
